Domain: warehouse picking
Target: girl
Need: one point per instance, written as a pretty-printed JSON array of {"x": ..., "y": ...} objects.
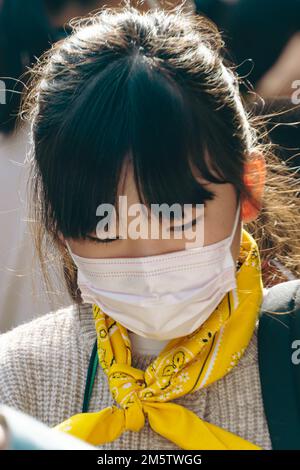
[{"x": 143, "y": 106}]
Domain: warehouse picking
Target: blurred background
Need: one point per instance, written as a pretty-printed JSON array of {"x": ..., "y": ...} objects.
[{"x": 262, "y": 38}]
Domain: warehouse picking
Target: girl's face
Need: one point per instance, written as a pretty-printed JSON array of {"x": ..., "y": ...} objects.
[{"x": 219, "y": 216}]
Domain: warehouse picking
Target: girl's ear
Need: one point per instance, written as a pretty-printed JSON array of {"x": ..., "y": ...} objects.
[{"x": 254, "y": 180}]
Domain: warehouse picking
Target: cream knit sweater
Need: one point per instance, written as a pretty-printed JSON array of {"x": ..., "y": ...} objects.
[{"x": 43, "y": 367}]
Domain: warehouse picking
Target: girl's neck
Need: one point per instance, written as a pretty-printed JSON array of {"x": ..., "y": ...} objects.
[{"x": 147, "y": 346}]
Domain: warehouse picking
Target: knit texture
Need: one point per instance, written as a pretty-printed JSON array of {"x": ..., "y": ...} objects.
[{"x": 43, "y": 367}]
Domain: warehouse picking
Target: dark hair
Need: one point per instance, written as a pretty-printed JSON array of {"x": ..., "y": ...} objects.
[
  {"x": 152, "y": 88},
  {"x": 25, "y": 33}
]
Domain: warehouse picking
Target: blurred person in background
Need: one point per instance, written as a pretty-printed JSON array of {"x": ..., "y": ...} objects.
[
  {"x": 263, "y": 39},
  {"x": 265, "y": 31}
]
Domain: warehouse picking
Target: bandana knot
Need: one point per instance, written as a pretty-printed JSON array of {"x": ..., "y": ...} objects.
[{"x": 125, "y": 383}]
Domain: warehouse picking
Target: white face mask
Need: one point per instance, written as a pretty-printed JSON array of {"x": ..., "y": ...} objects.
[{"x": 163, "y": 296}]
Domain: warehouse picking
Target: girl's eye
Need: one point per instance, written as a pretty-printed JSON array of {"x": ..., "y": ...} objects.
[
  {"x": 101, "y": 240},
  {"x": 190, "y": 224}
]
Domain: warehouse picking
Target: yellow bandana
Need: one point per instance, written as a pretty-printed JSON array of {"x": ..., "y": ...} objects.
[{"x": 185, "y": 365}]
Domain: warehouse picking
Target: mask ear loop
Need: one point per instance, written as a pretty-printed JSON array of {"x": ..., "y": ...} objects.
[
  {"x": 70, "y": 251},
  {"x": 68, "y": 247},
  {"x": 73, "y": 258},
  {"x": 236, "y": 221}
]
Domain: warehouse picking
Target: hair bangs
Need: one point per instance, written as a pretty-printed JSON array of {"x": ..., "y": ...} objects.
[
  {"x": 163, "y": 142},
  {"x": 128, "y": 110},
  {"x": 85, "y": 154}
]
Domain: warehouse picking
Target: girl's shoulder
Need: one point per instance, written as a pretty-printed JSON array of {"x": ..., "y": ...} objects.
[
  {"x": 36, "y": 355},
  {"x": 43, "y": 329}
]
